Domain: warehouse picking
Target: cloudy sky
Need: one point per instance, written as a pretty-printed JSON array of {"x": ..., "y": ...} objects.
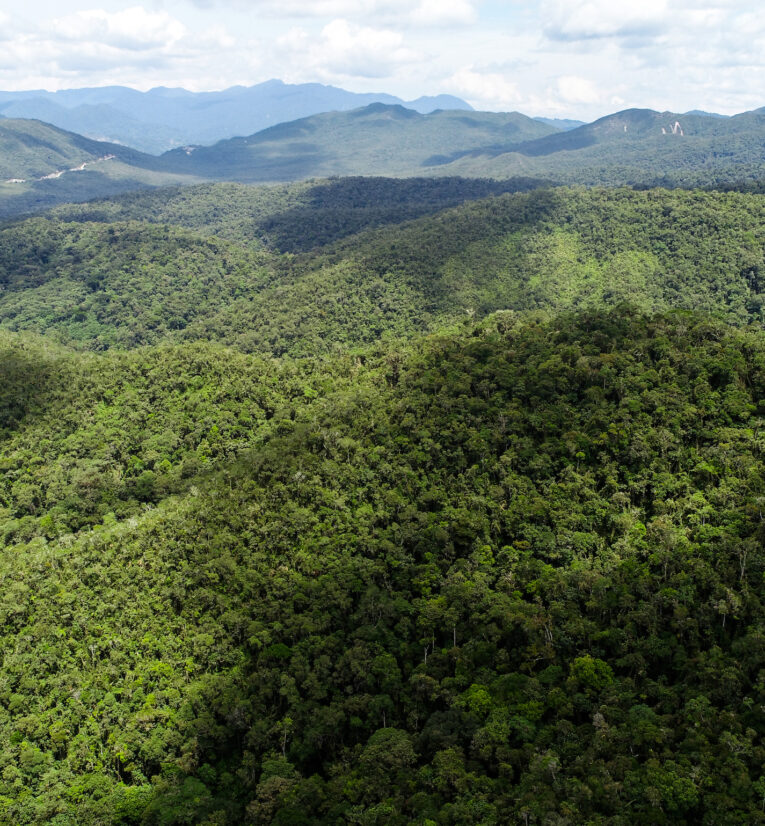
[{"x": 576, "y": 58}]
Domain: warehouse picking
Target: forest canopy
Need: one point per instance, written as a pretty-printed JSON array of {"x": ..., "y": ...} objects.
[{"x": 453, "y": 520}]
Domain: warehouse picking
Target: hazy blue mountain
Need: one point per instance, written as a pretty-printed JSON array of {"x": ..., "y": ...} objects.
[
  {"x": 163, "y": 118},
  {"x": 99, "y": 121},
  {"x": 706, "y": 114},
  {"x": 431, "y": 103}
]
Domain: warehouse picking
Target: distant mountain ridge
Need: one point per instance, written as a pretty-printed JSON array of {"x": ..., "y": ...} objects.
[
  {"x": 378, "y": 139},
  {"x": 707, "y": 114},
  {"x": 163, "y": 118},
  {"x": 635, "y": 146},
  {"x": 41, "y": 165},
  {"x": 563, "y": 124}
]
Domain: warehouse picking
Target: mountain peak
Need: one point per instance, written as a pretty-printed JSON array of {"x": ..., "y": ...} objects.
[{"x": 393, "y": 110}]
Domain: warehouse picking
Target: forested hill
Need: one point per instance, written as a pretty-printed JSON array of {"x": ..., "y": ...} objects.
[
  {"x": 637, "y": 146},
  {"x": 126, "y": 283},
  {"x": 507, "y": 574},
  {"x": 294, "y": 217},
  {"x": 378, "y": 139},
  {"x": 41, "y": 165},
  {"x": 310, "y": 515}
]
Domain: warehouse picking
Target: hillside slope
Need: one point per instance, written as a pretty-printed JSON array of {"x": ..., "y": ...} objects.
[
  {"x": 378, "y": 139},
  {"x": 635, "y": 146},
  {"x": 98, "y": 121},
  {"x": 509, "y": 573},
  {"x": 41, "y": 165},
  {"x": 383, "y": 502},
  {"x": 293, "y": 217},
  {"x": 126, "y": 283}
]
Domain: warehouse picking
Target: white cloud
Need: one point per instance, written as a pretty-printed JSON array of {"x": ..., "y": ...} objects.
[
  {"x": 396, "y": 13},
  {"x": 579, "y": 58},
  {"x": 344, "y": 49},
  {"x": 498, "y": 91},
  {"x": 443, "y": 13},
  {"x": 132, "y": 46},
  {"x": 587, "y": 19},
  {"x": 575, "y": 90},
  {"x": 132, "y": 28},
  {"x": 319, "y": 8},
  {"x": 485, "y": 90}
]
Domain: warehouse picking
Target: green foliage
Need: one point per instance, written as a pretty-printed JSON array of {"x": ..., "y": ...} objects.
[
  {"x": 507, "y": 573},
  {"x": 125, "y": 284},
  {"x": 153, "y": 423},
  {"x": 296, "y": 217},
  {"x": 120, "y": 284},
  {"x": 422, "y": 524}
]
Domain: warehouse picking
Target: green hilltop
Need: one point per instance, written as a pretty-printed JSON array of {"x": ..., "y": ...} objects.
[
  {"x": 637, "y": 146},
  {"x": 128, "y": 282},
  {"x": 412, "y": 584}
]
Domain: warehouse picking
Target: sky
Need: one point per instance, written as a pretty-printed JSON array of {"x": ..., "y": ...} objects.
[{"x": 560, "y": 58}]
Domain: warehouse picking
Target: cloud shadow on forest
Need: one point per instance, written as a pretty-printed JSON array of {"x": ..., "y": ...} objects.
[
  {"x": 339, "y": 208},
  {"x": 25, "y": 383}
]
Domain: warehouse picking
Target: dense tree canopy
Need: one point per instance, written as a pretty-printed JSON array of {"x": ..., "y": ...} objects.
[
  {"x": 513, "y": 569},
  {"x": 127, "y": 283},
  {"x": 424, "y": 525}
]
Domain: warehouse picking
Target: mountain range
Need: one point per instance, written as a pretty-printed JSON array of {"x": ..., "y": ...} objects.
[
  {"x": 162, "y": 118},
  {"x": 635, "y": 146},
  {"x": 379, "y": 138},
  {"x": 41, "y": 165}
]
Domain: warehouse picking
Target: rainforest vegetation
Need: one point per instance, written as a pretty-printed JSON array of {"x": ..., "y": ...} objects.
[
  {"x": 286, "y": 280},
  {"x": 375, "y": 502}
]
